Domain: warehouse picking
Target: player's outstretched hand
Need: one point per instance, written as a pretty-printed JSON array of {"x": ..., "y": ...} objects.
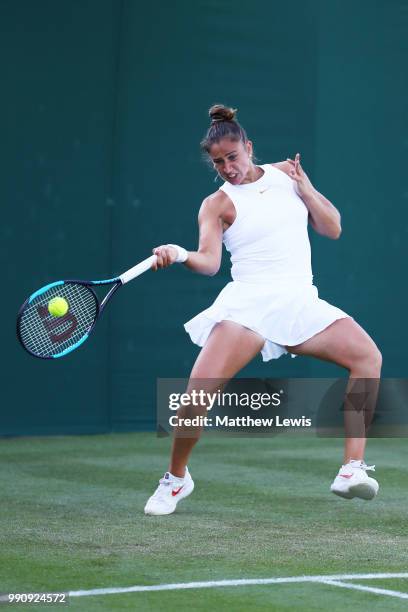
[{"x": 166, "y": 256}]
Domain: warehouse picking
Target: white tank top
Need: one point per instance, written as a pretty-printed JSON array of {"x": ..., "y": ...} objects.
[{"x": 268, "y": 240}]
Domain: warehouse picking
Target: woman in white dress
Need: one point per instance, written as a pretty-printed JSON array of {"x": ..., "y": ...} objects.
[{"x": 261, "y": 214}]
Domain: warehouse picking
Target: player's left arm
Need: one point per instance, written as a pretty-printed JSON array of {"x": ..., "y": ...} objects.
[{"x": 323, "y": 216}]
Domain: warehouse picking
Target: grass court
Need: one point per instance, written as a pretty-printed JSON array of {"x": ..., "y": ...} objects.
[{"x": 72, "y": 520}]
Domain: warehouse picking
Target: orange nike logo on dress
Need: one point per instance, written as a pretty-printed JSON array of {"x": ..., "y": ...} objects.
[
  {"x": 346, "y": 475},
  {"x": 177, "y": 491}
]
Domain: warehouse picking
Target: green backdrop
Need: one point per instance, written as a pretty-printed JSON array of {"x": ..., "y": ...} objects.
[{"x": 104, "y": 103}]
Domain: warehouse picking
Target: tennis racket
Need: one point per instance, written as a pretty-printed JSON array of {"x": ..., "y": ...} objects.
[{"x": 48, "y": 337}]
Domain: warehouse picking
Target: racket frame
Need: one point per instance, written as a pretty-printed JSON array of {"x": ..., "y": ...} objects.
[
  {"x": 117, "y": 282},
  {"x": 98, "y": 305}
]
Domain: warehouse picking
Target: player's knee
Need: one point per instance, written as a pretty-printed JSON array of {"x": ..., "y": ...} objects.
[
  {"x": 376, "y": 358},
  {"x": 367, "y": 360}
]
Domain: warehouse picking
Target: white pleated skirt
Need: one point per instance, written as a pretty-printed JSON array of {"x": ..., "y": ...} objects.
[{"x": 285, "y": 315}]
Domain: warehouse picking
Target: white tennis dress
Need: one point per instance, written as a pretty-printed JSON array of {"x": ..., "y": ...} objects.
[{"x": 272, "y": 291}]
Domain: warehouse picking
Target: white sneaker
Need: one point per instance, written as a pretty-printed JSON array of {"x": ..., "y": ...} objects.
[
  {"x": 352, "y": 481},
  {"x": 169, "y": 492}
]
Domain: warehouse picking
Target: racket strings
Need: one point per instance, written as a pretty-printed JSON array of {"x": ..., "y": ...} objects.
[{"x": 46, "y": 335}]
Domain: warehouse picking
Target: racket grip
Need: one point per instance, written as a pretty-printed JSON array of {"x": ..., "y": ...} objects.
[{"x": 141, "y": 267}]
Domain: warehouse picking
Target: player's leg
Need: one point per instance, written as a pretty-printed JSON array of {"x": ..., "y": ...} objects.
[
  {"x": 228, "y": 349},
  {"x": 348, "y": 345}
]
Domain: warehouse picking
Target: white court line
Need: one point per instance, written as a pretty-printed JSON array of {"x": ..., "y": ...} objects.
[
  {"x": 361, "y": 587},
  {"x": 243, "y": 582}
]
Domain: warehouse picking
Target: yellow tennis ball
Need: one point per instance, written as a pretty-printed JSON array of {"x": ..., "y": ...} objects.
[{"x": 58, "y": 307}]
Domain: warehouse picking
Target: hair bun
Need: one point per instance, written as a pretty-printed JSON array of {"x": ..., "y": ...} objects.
[{"x": 219, "y": 112}]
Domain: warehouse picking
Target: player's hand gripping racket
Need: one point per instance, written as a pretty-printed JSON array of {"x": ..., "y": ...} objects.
[{"x": 59, "y": 317}]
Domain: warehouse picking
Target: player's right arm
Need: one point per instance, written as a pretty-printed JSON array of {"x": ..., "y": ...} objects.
[{"x": 207, "y": 258}]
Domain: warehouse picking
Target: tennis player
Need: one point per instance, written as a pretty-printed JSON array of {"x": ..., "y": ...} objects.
[{"x": 261, "y": 214}]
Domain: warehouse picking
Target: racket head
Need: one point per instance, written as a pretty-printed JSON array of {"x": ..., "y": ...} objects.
[{"x": 48, "y": 337}]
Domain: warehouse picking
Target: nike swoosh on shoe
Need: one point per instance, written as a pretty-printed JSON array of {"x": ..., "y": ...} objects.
[{"x": 177, "y": 491}]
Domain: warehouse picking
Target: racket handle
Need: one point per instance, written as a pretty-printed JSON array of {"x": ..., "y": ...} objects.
[{"x": 141, "y": 267}]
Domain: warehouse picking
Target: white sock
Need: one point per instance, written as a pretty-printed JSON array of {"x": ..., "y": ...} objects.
[
  {"x": 360, "y": 462},
  {"x": 176, "y": 478}
]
